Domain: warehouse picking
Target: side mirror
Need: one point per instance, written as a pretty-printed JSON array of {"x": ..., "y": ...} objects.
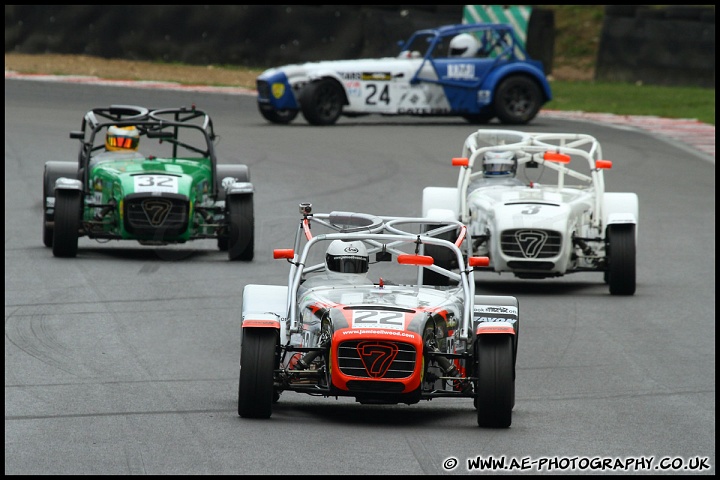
[
  {"x": 479, "y": 261},
  {"x": 159, "y": 134},
  {"x": 556, "y": 157},
  {"x": 288, "y": 253},
  {"x": 603, "y": 164},
  {"x": 419, "y": 260}
]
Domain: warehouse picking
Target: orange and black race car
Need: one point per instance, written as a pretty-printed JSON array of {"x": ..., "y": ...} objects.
[{"x": 356, "y": 320}]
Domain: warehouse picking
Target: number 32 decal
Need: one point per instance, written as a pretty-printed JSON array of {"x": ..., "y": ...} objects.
[{"x": 156, "y": 183}]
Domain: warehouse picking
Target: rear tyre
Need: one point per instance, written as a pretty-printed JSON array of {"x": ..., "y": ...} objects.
[
  {"x": 280, "y": 117},
  {"x": 240, "y": 173},
  {"x": 495, "y": 387},
  {"x": 241, "y": 235},
  {"x": 68, "y": 210},
  {"x": 621, "y": 254},
  {"x": 322, "y": 102},
  {"x": 517, "y": 100},
  {"x": 257, "y": 363}
]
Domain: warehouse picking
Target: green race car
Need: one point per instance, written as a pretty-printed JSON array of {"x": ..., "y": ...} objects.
[{"x": 149, "y": 175}]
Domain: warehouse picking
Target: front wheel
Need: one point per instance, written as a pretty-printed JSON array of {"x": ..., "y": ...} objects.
[
  {"x": 281, "y": 117},
  {"x": 322, "y": 102},
  {"x": 241, "y": 173},
  {"x": 517, "y": 100},
  {"x": 68, "y": 210},
  {"x": 241, "y": 235},
  {"x": 257, "y": 363},
  {"x": 621, "y": 259},
  {"x": 53, "y": 171},
  {"x": 495, "y": 388}
]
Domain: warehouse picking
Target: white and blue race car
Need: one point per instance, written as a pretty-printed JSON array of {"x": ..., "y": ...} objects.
[{"x": 477, "y": 71}]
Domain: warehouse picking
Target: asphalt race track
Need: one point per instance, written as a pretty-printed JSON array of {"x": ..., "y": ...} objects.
[{"x": 125, "y": 360}]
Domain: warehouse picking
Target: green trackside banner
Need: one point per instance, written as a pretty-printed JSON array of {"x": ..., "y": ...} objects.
[{"x": 516, "y": 15}]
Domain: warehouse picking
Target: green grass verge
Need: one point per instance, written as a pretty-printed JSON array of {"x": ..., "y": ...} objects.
[{"x": 630, "y": 99}]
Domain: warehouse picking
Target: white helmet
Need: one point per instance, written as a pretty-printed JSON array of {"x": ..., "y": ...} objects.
[
  {"x": 463, "y": 45},
  {"x": 347, "y": 257},
  {"x": 499, "y": 164}
]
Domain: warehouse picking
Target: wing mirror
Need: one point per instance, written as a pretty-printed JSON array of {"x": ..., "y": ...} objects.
[
  {"x": 479, "y": 261},
  {"x": 288, "y": 253},
  {"x": 418, "y": 260},
  {"x": 556, "y": 157},
  {"x": 159, "y": 134}
]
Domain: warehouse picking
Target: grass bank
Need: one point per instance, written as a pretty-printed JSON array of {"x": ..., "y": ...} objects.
[{"x": 631, "y": 99}]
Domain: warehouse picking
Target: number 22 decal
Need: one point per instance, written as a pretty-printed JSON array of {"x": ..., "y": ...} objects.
[
  {"x": 377, "y": 319},
  {"x": 384, "y": 96}
]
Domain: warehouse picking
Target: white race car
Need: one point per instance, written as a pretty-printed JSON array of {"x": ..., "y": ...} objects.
[{"x": 534, "y": 215}]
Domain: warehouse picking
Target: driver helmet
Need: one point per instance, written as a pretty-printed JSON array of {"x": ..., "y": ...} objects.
[
  {"x": 499, "y": 164},
  {"x": 347, "y": 257},
  {"x": 463, "y": 45},
  {"x": 122, "y": 138}
]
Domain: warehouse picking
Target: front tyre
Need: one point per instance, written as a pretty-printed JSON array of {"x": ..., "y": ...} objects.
[
  {"x": 322, "y": 102},
  {"x": 53, "y": 171},
  {"x": 68, "y": 210},
  {"x": 257, "y": 364},
  {"x": 280, "y": 117},
  {"x": 241, "y": 235},
  {"x": 517, "y": 100},
  {"x": 495, "y": 387},
  {"x": 621, "y": 254},
  {"x": 241, "y": 173}
]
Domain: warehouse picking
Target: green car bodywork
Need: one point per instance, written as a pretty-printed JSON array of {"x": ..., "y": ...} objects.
[{"x": 173, "y": 195}]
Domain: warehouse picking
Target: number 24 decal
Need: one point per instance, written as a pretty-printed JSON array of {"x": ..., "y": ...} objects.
[{"x": 384, "y": 95}]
